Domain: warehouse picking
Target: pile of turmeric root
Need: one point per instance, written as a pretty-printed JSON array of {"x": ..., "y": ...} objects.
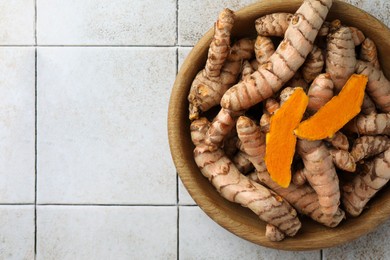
[{"x": 298, "y": 129}]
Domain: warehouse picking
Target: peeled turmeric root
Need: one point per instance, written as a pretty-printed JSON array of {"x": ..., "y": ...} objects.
[
  {"x": 280, "y": 144},
  {"x": 370, "y": 179},
  {"x": 317, "y": 127}
]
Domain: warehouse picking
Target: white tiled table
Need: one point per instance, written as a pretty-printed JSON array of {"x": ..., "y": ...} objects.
[{"x": 85, "y": 167}]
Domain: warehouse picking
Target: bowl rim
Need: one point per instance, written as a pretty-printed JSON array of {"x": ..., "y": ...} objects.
[{"x": 242, "y": 225}]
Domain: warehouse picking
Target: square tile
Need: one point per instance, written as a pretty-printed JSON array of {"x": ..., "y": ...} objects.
[
  {"x": 90, "y": 232},
  {"x": 182, "y": 55},
  {"x": 117, "y": 22},
  {"x": 378, "y": 8},
  {"x": 17, "y": 232},
  {"x": 17, "y": 125},
  {"x": 372, "y": 246},
  {"x": 201, "y": 238},
  {"x": 184, "y": 197},
  {"x": 102, "y": 135},
  {"x": 195, "y": 18},
  {"x": 17, "y": 22}
]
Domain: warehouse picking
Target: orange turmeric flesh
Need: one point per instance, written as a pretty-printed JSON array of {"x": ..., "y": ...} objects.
[
  {"x": 336, "y": 113},
  {"x": 280, "y": 141}
]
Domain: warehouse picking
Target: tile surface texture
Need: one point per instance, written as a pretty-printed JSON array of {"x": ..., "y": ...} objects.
[
  {"x": 17, "y": 232},
  {"x": 17, "y": 121},
  {"x": 100, "y": 118},
  {"x": 85, "y": 166},
  {"x": 98, "y": 232},
  {"x": 118, "y": 22},
  {"x": 17, "y": 22},
  {"x": 201, "y": 238}
]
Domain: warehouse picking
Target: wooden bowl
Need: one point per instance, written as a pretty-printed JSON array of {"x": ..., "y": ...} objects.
[{"x": 241, "y": 221}]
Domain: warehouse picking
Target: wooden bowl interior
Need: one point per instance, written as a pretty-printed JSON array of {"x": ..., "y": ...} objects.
[{"x": 233, "y": 217}]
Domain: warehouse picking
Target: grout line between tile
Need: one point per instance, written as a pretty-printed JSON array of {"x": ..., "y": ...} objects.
[
  {"x": 35, "y": 159},
  {"x": 105, "y": 205},
  {"x": 94, "y": 46},
  {"x": 177, "y": 175},
  {"x": 17, "y": 204},
  {"x": 321, "y": 254},
  {"x": 35, "y": 129},
  {"x": 177, "y": 22}
]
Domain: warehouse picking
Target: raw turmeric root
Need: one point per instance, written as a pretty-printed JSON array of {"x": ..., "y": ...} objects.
[
  {"x": 371, "y": 177},
  {"x": 368, "y": 53},
  {"x": 235, "y": 187},
  {"x": 280, "y": 141},
  {"x": 378, "y": 86},
  {"x": 338, "y": 141},
  {"x": 264, "y": 123},
  {"x": 319, "y": 171},
  {"x": 230, "y": 143},
  {"x": 320, "y": 92},
  {"x": 368, "y": 106},
  {"x": 242, "y": 162},
  {"x": 297, "y": 81},
  {"x": 222, "y": 124},
  {"x": 198, "y": 130},
  {"x": 368, "y": 146},
  {"x": 270, "y": 107},
  {"x": 313, "y": 65},
  {"x": 339, "y": 109},
  {"x": 252, "y": 140},
  {"x": 341, "y": 56},
  {"x": 283, "y": 64},
  {"x": 264, "y": 48},
  {"x": 207, "y": 80},
  {"x": 343, "y": 160},
  {"x": 273, "y": 233},
  {"x": 247, "y": 70},
  {"x": 222, "y": 67},
  {"x": 373, "y": 124},
  {"x": 303, "y": 198},
  {"x": 357, "y": 35},
  {"x": 274, "y": 24}
]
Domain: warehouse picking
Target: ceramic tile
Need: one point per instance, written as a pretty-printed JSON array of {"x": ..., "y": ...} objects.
[
  {"x": 195, "y": 18},
  {"x": 182, "y": 55},
  {"x": 106, "y": 22},
  {"x": 372, "y": 246},
  {"x": 201, "y": 238},
  {"x": 184, "y": 197},
  {"x": 17, "y": 232},
  {"x": 74, "y": 232},
  {"x": 102, "y": 116},
  {"x": 378, "y": 8},
  {"x": 17, "y": 22},
  {"x": 17, "y": 124}
]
